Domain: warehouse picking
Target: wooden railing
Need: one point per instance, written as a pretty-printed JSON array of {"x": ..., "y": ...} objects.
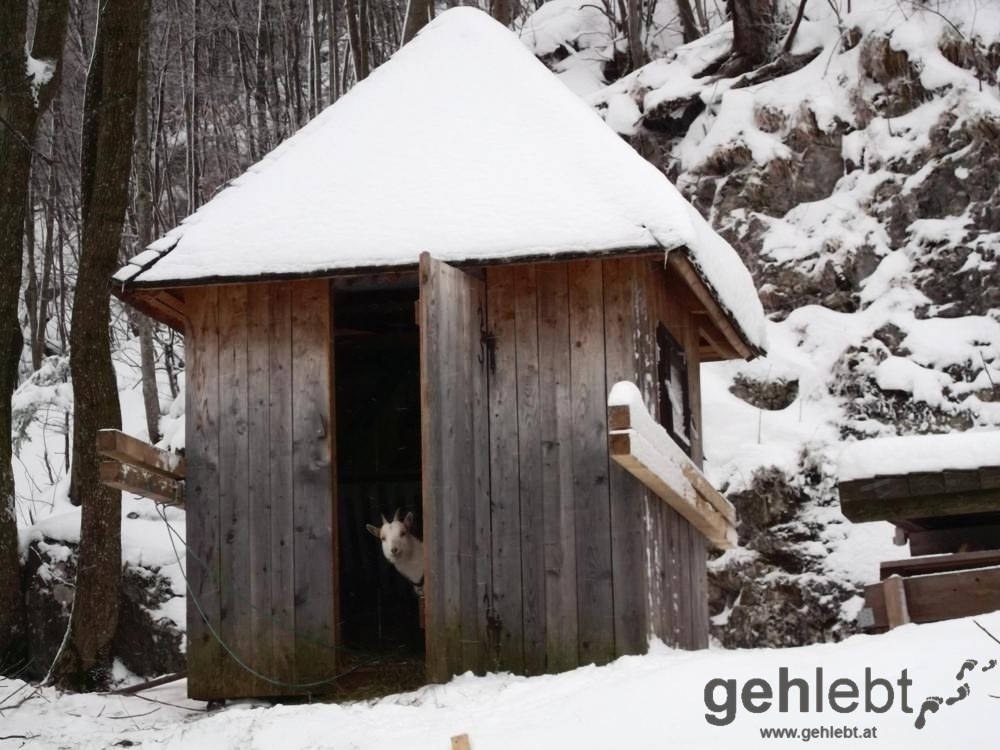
[
  {"x": 143, "y": 469},
  {"x": 643, "y": 448}
]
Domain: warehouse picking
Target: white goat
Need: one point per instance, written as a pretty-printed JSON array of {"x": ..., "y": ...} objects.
[{"x": 402, "y": 548}]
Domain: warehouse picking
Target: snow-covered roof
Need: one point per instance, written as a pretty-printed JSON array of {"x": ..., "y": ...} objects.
[
  {"x": 462, "y": 145},
  {"x": 892, "y": 456}
]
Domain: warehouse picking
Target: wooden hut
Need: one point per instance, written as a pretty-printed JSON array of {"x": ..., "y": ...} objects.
[{"x": 422, "y": 301}]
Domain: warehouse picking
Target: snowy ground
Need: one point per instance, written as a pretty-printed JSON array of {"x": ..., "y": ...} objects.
[{"x": 655, "y": 701}]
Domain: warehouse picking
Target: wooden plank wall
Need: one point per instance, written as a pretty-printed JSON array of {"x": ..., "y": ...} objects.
[
  {"x": 678, "y": 559},
  {"x": 455, "y": 470},
  {"x": 261, "y": 527},
  {"x": 587, "y": 564}
]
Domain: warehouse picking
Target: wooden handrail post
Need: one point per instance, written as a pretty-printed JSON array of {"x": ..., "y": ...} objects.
[{"x": 896, "y": 610}]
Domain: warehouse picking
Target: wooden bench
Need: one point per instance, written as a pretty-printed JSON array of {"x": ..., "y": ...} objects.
[
  {"x": 932, "y": 589},
  {"x": 952, "y": 519}
]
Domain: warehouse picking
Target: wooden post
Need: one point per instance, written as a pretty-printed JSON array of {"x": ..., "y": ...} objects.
[
  {"x": 895, "y": 601},
  {"x": 460, "y": 742}
]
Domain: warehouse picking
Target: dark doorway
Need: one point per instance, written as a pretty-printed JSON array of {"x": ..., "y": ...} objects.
[{"x": 378, "y": 467}]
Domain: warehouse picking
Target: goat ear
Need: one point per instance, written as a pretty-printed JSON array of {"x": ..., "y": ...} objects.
[
  {"x": 408, "y": 521},
  {"x": 373, "y": 530},
  {"x": 395, "y": 516}
]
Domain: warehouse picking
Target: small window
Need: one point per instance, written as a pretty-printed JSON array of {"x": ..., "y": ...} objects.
[{"x": 675, "y": 396}]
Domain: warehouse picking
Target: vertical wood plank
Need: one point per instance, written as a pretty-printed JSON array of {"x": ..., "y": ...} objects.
[
  {"x": 530, "y": 469},
  {"x": 699, "y": 589},
  {"x": 279, "y": 440},
  {"x": 556, "y": 434},
  {"x": 505, "y": 500},
  {"x": 478, "y": 590},
  {"x": 625, "y": 312},
  {"x": 625, "y": 315},
  {"x": 204, "y": 654},
  {"x": 656, "y": 543},
  {"x": 691, "y": 346},
  {"x": 234, "y": 491},
  {"x": 685, "y": 559},
  {"x": 681, "y": 576},
  {"x": 258, "y": 429},
  {"x": 313, "y": 482},
  {"x": 433, "y": 337},
  {"x": 590, "y": 463},
  {"x": 455, "y": 468},
  {"x": 897, "y": 611}
]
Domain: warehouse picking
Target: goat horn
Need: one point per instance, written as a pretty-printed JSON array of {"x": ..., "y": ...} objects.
[
  {"x": 384, "y": 522},
  {"x": 395, "y": 516}
]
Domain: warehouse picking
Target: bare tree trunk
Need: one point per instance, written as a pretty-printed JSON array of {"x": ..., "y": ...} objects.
[
  {"x": 333, "y": 63},
  {"x": 193, "y": 164},
  {"x": 260, "y": 78},
  {"x": 315, "y": 68},
  {"x": 418, "y": 14},
  {"x": 84, "y": 661},
  {"x": 21, "y": 105},
  {"x": 365, "y": 27},
  {"x": 359, "y": 53},
  {"x": 753, "y": 27},
  {"x": 790, "y": 40},
  {"x": 505, "y": 11},
  {"x": 38, "y": 344},
  {"x": 633, "y": 27},
  {"x": 689, "y": 27},
  {"x": 144, "y": 229},
  {"x": 31, "y": 288}
]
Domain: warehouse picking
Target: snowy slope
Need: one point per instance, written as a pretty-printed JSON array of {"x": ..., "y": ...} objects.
[{"x": 654, "y": 701}]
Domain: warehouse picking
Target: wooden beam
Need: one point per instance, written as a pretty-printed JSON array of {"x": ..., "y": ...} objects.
[
  {"x": 144, "y": 483},
  {"x": 679, "y": 262},
  {"x": 942, "y": 596},
  {"x": 717, "y": 346},
  {"x": 129, "y": 450},
  {"x": 915, "y": 566},
  {"x": 879, "y": 499},
  {"x": 631, "y": 451},
  {"x": 157, "y": 304},
  {"x": 643, "y": 448},
  {"x": 942, "y": 541}
]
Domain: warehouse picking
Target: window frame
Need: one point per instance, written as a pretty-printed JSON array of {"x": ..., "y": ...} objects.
[{"x": 670, "y": 357}]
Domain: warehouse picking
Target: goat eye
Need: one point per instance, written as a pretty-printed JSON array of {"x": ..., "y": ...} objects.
[
  {"x": 382, "y": 538},
  {"x": 402, "y": 533}
]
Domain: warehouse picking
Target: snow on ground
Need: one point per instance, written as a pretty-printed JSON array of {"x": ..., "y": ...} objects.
[{"x": 653, "y": 701}]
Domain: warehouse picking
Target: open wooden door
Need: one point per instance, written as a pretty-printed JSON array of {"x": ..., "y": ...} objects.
[{"x": 455, "y": 455}]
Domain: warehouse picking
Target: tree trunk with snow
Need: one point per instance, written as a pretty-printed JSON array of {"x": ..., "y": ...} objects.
[
  {"x": 753, "y": 31},
  {"x": 689, "y": 27},
  {"x": 22, "y": 103},
  {"x": 106, "y": 159}
]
